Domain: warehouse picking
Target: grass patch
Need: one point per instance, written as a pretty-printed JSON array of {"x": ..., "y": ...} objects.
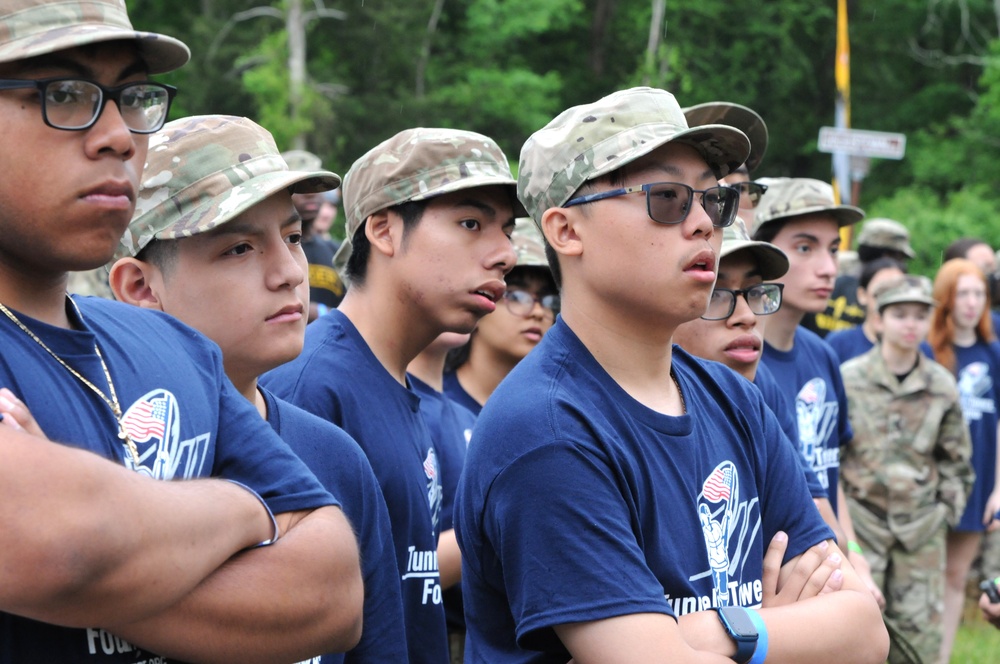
[{"x": 977, "y": 641}]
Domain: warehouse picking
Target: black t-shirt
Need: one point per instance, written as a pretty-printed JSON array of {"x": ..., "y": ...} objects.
[
  {"x": 843, "y": 311},
  {"x": 325, "y": 285}
]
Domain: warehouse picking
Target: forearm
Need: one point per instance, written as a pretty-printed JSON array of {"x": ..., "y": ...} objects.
[
  {"x": 826, "y": 511},
  {"x": 297, "y": 598},
  {"x": 86, "y": 540},
  {"x": 449, "y": 559}
]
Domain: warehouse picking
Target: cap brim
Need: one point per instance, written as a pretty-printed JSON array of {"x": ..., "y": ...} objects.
[
  {"x": 256, "y": 190},
  {"x": 745, "y": 119},
  {"x": 772, "y": 263},
  {"x": 159, "y": 52}
]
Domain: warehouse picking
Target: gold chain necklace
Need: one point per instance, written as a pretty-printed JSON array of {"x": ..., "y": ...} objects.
[{"x": 111, "y": 402}]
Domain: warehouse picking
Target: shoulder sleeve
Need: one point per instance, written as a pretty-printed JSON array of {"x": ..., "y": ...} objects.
[
  {"x": 248, "y": 450},
  {"x": 588, "y": 565}
]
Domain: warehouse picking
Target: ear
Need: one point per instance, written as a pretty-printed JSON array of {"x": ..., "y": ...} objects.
[
  {"x": 559, "y": 225},
  {"x": 132, "y": 282},
  {"x": 862, "y": 296},
  {"x": 382, "y": 229}
]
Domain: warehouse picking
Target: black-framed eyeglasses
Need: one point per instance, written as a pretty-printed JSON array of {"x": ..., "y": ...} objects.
[
  {"x": 763, "y": 300},
  {"x": 670, "y": 202},
  {"x": 750, "y": 193},
  {"x": 75, "y": 104},
  {"x": 521, "y": 302}
]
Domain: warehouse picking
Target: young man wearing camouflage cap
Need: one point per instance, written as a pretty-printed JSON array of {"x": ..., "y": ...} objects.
[
  {"x": 800, "y": 217},
  {"x": 907, "y": 470},
  {"x": 135, "y": 387},
  {"x": 506, "y": 336},
  {"x": 227, "y": 259},
  {"x": 879, "y": 238},
  {"x": 613, "y": 481},
  {"x": 429, "y": 214}
]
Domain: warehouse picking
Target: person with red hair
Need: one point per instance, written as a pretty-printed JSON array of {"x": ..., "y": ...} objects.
[{"x": 962, "y": 339}]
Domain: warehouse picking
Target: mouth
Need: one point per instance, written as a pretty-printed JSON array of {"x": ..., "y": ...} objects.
[
  {"x": 702, "y": 266},
  {"x": 489, "y": 294},
  {"x": 290, "y": 314},
  {"x": 745, "y": 348},
  {"x": 115, "y": 194},
  {"x": 532, "y": 334}
]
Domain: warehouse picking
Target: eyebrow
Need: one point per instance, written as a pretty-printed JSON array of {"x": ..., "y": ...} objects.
[
  {"x": 485, "y": 208},
  {"x": 812, "y": 238},
  {"x": 75, "y": 67}
]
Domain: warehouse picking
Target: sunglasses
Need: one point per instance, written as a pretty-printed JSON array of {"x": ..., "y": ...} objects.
[{"x": 670, "y": 202}]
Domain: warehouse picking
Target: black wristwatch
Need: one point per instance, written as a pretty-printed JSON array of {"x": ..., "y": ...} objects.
[{"x": 741, "y": 629}]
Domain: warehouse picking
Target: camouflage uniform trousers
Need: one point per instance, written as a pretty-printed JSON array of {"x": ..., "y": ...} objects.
[{"x": 912, "y": 582}]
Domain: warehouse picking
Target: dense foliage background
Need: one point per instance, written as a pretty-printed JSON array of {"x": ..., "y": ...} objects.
[{"x": 926, "y": 68}]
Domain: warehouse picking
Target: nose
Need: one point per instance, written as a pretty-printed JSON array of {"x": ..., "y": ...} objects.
[
  {"x": 502, "y": 256},
  {"x": 697, "y": 222},
  {"x": 110, "y": 134},
  {"x": 287, "y": 268},
  {"x": 742, "y": 316},
  {"x": 828, "y": 264}
]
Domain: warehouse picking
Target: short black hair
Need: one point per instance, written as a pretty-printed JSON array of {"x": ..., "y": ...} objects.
[
  {"x": 960, "y": 247},
  {"x": 160, "y": 253},
  {"x": 411, "y": 212},
  {"x": 869, "y": 270},
  {"x": 615, "y": 178}
]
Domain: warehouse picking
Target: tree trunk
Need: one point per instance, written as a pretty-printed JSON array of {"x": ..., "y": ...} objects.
[{"x": 296, "y": 64}]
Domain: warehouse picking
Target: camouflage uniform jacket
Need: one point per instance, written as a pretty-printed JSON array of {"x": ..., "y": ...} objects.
[{"x": 910, "y": 456}]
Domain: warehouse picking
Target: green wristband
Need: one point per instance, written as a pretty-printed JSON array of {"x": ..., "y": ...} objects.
[{"x": 854, "y": 547}]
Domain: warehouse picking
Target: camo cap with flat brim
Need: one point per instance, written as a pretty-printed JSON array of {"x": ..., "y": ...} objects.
[
  {"x": 771, "y": 261},
  {"x": 786, "y": 198},
  {"x": 421, "y": 163},
  {"x": 882, "y": 233},
  {"x": 205, "y": 170},
  {"x": 743, "y": 118},
  {"x": 588, "y": 141},
  {"x": 528, "y": 244},
  {"x": 29, "y": 28}
]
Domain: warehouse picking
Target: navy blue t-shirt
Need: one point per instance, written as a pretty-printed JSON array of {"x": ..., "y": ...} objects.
[
  {"x": 184, "y": 415},
  {"x": 578, "y": 503},
  {"x": 775, "y": 400},
  {"x": 338, "y": 378},
  {"x": 979, "y": 393},
  {"x": 457, "y": 393},
  {"x": 848, "y": 344},
  {"x": 344, "y": 470},
  {"x": 451, "y": 427},
  {"x": 809, "y": 377}
]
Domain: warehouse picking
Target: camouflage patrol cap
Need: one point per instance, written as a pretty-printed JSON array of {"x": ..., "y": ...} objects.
[
  {"x": 884, "y": 233},
  {"x": 528, "y": 244},
  {"x": 302, "y": 160},
  {"x": 205, "y": 170},
  {"x": 588, "y": 141},
  {"x": 745, "y": 119},
  {"x": 29, "y": 28},
  {"x": 421, "y": 163},
  {"x": 909, "y": 288},
  {"x": 771, "y": 261},
  {"x": 792, "y": 197}
]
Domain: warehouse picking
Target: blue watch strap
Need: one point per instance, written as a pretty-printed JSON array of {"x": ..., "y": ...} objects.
[
  {"x": 760, "y": 654},
  {"x": 741, "y": 628}
]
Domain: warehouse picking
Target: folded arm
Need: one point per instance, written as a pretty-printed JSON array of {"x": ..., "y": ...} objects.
[
  {"x": 299, "y": 597},
  {"x": 86, "y": 540}
]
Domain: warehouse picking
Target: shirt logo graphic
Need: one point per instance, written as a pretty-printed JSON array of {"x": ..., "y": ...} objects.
[
  {"x": 817, "y": 418},
  {"x": 153, "y": 423},
  {"x": 435, "y": 494},
  {"x": 974, "y": 389}
]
